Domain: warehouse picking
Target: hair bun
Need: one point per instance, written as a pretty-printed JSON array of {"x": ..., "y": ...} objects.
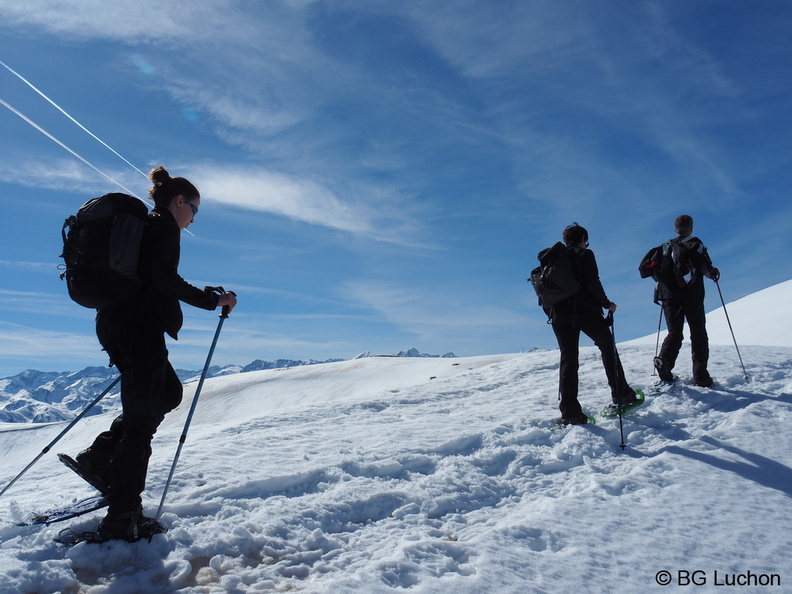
[{"x": 159, "y": 175}]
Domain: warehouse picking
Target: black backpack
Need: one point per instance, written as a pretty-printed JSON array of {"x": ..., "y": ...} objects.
[
  {"x": 652, "y": 264},
  {"x": 553, "y": 280},
  {"x": 681, "y": 260},
  {"x": 101, "y": 248}
]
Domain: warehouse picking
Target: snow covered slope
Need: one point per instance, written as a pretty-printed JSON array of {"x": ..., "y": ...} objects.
[
  {"x": 762, "y": 318},
  {"x": 434, "y": 475},
  {"x": 46, "y": 397}
]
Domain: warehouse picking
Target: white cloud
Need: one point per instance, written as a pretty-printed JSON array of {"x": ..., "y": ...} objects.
[
  {"x": 67, "y": 175},
  {"x": 297, "y": 199},
  {"x": 439, "y": 317},
  {"x": 367, "y": 212},
  {"x": 143, "y": 19},
  {"x": 43, "y": 267},
  {"x": 20, "y": 303},
  {"x": 27, "y": 343}
]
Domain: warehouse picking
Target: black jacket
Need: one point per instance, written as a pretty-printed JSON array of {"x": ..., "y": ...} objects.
[
  {"x": 590, "y": 296},
  {"x": 163, "y": 288}
]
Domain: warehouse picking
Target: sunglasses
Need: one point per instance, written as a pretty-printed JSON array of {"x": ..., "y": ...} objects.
[{"x": 194, "y": 208}]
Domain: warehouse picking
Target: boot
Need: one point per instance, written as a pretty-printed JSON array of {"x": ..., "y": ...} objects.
[
  {"x": 129, "y": 526},
  {"x": 577, "y": 420},
  {"x": 662, "y": 370}
]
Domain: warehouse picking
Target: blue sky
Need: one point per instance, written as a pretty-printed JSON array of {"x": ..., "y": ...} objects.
[{"x": 380, "y": 175}]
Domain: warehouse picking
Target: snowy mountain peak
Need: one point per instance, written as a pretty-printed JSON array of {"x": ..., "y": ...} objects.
[{"x": 413, "y": 352}]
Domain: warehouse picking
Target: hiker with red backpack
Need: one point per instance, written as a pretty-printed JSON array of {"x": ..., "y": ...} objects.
[{"x": 679, "y": 267}]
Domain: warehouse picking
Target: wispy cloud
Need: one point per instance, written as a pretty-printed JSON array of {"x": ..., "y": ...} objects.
[
  {"x": 43, "y": 267},
  {"x": 367, "y": 211},
  {"x": 363, "y": 209},
  {"x": 145, "y": 20},
  {"x": 35, "y": 346},
  {"x": 28, "y": 302},
  {"x": 66, "y": 175},
  {"x": 435, "y": 319},
  {"x": 654, "y": 98},
  {"x": 540, "y": 36},
  {"x": 291, "y": 197}
]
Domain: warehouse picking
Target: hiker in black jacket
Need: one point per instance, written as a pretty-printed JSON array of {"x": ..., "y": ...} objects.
[
  {"x": 133, "y": 336},
  {"x": 583, "y": 313},
  {"x": 680, "y": 290}
]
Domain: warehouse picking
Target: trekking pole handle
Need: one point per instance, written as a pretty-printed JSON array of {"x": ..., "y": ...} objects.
[
  {"x": 226, "y": 308},
  {"x": 221, "y": 291}
]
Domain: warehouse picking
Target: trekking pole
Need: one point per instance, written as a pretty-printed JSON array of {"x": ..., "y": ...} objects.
[
  {"x": 745, "y": 374},
  {"x": 183, "y": 437},
  {"x": 619, "y": 392},
  {"x": 62, "y": 433},
  {"x": 657, "y": 342}
]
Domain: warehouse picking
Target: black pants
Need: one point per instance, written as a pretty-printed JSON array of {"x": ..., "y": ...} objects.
[
  {"x": 150, "y": 388},
  {"x": 567, "y": 332},
  {"x": 676, "y": 311}
]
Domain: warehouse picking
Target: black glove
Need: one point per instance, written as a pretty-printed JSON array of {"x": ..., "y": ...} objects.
[{"x": 715, "y": 274}]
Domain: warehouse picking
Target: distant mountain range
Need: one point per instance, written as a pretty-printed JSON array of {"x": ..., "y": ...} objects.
[{"x": 48, "y": 397}]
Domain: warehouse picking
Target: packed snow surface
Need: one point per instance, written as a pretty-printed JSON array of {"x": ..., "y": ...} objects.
[{"x": 435, "y": 475}]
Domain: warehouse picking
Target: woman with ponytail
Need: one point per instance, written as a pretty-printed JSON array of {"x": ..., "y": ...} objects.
[{"x": 133, "y": 335}]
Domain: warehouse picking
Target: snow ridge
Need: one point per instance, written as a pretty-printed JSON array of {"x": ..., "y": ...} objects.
[{"x": 48, "y": 397}]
